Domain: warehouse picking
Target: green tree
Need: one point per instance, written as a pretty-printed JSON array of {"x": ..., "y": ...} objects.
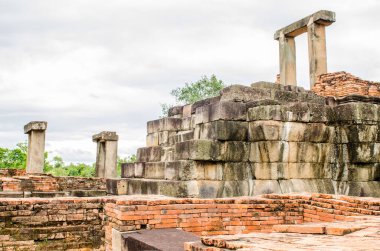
[
  {"x": 193, "y": 92},
  {"x": 14, "y": 158}
]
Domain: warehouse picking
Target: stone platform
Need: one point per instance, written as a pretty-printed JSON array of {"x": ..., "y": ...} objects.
[{"x": 259, "y": 139}]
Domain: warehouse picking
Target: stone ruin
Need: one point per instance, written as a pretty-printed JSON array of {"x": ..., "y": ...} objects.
[{"x": 266, "y": 158}]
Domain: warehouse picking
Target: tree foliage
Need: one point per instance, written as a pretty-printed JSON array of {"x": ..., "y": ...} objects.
[{"x": 193, "y": 92}]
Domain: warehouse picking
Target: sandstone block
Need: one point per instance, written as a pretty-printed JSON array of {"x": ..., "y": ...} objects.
[
  {"x": 128, "y": 170},
  {"x": 154, "y": 170},
  {"x": 235, "y": 151},
  {"x": 188, "y": 123},
  {"x": 181, "y": 137},
  {"x": 175, "y": 110},
  {"x": 265, "y": 130},
  {"x": 221, "y": 111},
  {"x": 307, "y": 185},
  {"x": 139, "y": 169},
  {"x": 357, "y": 133},
  {"x": 167, "y": 154},
  {"x": 164, "y": 124},
  {"x": 149, "y": 154},
  {"x": 364, "y": 173},
  {"x": 223, "y": 130},
  {"x": 197, "y": 150},
  {"x": 184, "y": 170},
  {"x": 163, "y": 137},
  {"x": 264, "y": 187},
  {"x": 358, "y": 112},
  {"x": 152, "y": 139},
  {"x": 241, "y": 93},
  {"x": 117, "y": 186}
]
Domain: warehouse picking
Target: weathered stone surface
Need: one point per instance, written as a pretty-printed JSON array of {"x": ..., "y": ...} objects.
[
  {"x": 241, "y": 93},
  {"x": 278, "y": 171},
  {"x": 105, "y": 136},
  {"x": 128, "y": 170},
  {"x": 117, "y": 186},
  {"x": 267, "y": 85},
  {"x": 221, "y": 111},
  {"x": 152, "y": 139},
  {"x": 234, "y": 151},
  {"x": 222, "y": 130},
  {"x": 358, "y": 152},
  {"x": 292, "y": 152},
  {"x": 307, "y": 185},
  {"x": 164, "y": 124},
  {"x": 357, "y": 113},
  {"x": 357, "y": 133},
  {"x": 175, "y": 110},
  {"x": 197, "y": 150},
  {"x": 264, "y": 187},
  {"x": 35, "y": 126},
  {"x": 301, "y": 112},
  {"x": 181, "y": 137},
  {"x": 149, "y": 154},
  {"x": 269, "y": 130},
  {"x": 154, "y": 170}
]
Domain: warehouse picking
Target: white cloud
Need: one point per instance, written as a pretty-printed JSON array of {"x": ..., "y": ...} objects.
[{"x": 87, "y": 66}]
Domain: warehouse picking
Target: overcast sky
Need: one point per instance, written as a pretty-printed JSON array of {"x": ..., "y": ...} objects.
[{"x": 88, "y": 66}]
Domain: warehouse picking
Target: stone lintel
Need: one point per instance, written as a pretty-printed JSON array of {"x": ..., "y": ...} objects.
[
  {"x": 324, "y": 17},
  {"x": 105, "y": 136},
  {"x": 35, "y": 126}
]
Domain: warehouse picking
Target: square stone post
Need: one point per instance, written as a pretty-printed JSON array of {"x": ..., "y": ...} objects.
[
  {"x": 36, "y": 146},
  {"x": 287, "y": 60},
  {"x": 317, "y": 50},
  {"x": 106, "y": 154}
]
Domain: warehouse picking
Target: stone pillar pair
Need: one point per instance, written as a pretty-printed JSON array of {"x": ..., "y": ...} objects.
[
  {"x": 314, "y": 25},
  {"x": 106, "y": 157}
]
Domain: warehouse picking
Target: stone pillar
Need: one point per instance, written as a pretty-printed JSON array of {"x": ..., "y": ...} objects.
[
  {"x": 106, "y": 154},
  {"x": 317, "y": 50},
  {"x": 36, "y": 146},
  {"x": 287, "y": 60}
]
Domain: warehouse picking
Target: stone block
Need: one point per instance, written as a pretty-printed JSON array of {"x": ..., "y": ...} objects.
[
  {"x": 154, "y": 170},
  {"x": 241, "y": 93},
  {"x": 357, "y": 112},
  {"x": 188, "y": 123},
  {"x": 357, "y": 133},
  {"x": 164, "y": 124},
  {"x": 117, "y": 186},
  {"x": 366, "y": 172},
  {"x": 175, "y": 110},
  {"x": 128, "y": 170},
  {"x": 152, "y": 139},
  {"x": 197, "y": 150},
  {"x": 223, "y": 130},
  {"x": 267, "y": 85},
  {"x": 293, "y": 152},
  {"x": 186, "y": 111},
  {"x": 235, "y": 188},
  {"x": 148, "y": 154},
  {"x": 167, "y": 154},
  {"x": 204, "y": 102},
  {"x": 221, "y": 111},
  {"x": 362, "y": 189},
  {"x": 258, "y": 187},
  {"x": 364, "y": 152},
  {"x": 139, "y": 169},
  {"x": 163, "y": 137},
  {"x": 234, "y": 151},
  {"x": 307, "y": 186},
  {"x": 181, "y": 137},
  {"x": 297, "y": 112},
  {"x": 277, "y": 171},
  {"x": 35, "y": 126}
]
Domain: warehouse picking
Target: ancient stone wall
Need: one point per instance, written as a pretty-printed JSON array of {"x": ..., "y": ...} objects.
[
  {"x": 342, "y": 84},
  {"x": 267, "y": 138}
]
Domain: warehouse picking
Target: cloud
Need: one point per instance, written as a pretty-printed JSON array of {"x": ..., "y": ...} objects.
[{"x": 87, "y": 65}]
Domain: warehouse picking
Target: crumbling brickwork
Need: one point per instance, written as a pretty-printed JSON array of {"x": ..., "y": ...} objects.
[{"x": 342, "y": 84}]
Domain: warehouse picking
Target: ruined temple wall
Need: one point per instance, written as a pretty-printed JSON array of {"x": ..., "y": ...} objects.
[{"x": 267, "y": 138}]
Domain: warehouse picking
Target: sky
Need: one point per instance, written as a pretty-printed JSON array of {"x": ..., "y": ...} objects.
[{"x": 87, "y": 66}]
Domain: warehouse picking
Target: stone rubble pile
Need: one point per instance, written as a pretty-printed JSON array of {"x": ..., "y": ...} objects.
[{"x": 266, "y": 138}]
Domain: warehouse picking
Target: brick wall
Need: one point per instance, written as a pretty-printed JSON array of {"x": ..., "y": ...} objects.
[
  {"x": 64, "y": 223},
  {"x": 51, "y": 224},
  {"x": 341, "y": 84},
  {"x": 19, "y": 181}
]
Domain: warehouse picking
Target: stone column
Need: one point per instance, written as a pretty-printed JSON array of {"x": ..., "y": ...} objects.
[
  {"x": 106, "y": 154},
  {"x": 287, "y": 60},
  {"x": 317, "y": 50},
  {"x": 36, "y": 146}
]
